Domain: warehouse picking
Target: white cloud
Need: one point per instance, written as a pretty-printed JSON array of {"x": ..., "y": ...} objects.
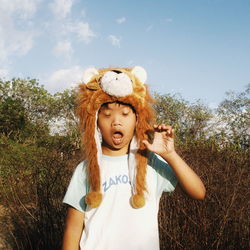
[
  {"x": 82, "y": 31},
  {"x": 213, "y": 105},
  {"x": 114, "y": 40},
  {"x": 3, "y": 51},
  {"x": 4, "y": 73},
  {"x": 16, "y": 40},
  {"x": 65, "y": 78},
  {"x": 23, "y": 44},
  {"x": 121, "y": 20},
  {"x": 22, "y": 8},
  {"x": 61, "y": 8},
  {"x": 63, "y": 48}
]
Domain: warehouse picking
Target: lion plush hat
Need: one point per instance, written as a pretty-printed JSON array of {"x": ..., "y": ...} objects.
[{"x": 125, "y": 85}]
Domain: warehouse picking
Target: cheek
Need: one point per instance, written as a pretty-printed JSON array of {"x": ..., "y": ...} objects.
[
  {"x": 131, "y": 125},
  {"x": 102, "y": 125}
]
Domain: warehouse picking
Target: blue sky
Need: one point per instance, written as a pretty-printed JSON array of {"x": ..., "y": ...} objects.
[{"x": 198, "y": 48}]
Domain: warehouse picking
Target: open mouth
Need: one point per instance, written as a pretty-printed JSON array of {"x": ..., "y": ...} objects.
[{"x": 117, "y": 137}]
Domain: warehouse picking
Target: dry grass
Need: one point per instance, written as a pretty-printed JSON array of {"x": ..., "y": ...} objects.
[
  {"x": 221, "y": 221},
  {"x": 33, "y": 191}
]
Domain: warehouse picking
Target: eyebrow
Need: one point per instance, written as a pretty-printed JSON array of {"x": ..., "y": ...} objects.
[{"x": 105, "y": 107}]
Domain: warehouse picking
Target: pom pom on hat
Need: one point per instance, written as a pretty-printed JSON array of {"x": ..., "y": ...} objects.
[
  {"x": 94, "y": 199},
  {"x": 137, "y": 201}
]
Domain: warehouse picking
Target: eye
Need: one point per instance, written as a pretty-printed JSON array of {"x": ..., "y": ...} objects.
[
  {"x": 107, "y": 114},
  {"x": 125, "y": 112}
]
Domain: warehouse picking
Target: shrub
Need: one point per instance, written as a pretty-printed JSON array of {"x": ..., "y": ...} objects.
[{"x": 33, "y": 182}]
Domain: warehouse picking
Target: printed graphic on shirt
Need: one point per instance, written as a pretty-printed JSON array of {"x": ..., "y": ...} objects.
[{"x": 115, "y": 180}]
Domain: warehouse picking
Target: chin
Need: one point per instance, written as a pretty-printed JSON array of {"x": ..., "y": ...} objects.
[{"x": 118, "y": 147}]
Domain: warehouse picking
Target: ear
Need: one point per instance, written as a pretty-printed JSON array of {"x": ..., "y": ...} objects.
[
  {"x": 140, "y": 73},
  {"x": 88, "y": 74}
]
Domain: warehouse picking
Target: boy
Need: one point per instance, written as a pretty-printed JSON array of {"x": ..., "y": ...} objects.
[{"x": 114, "y": 194}]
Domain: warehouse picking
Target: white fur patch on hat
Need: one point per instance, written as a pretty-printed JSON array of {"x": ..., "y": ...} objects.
[{"x": 116, "y": 84}]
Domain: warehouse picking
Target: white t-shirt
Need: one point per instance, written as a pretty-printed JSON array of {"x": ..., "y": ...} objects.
[{"x": 115, "y": 224}]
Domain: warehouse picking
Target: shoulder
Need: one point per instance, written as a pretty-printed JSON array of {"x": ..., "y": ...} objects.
[
  {"x": 81, "y": 166},
  {"x": 165, "y": 176},
  {"x": 80, "y": 170},
  {"x": 159, "y": 165},
  {"x": 77, "y": 188},
  {"x": 155, "y": 160}
]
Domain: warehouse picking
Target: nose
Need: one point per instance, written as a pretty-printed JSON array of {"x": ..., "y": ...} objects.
[{"x": 116, "y": 121}]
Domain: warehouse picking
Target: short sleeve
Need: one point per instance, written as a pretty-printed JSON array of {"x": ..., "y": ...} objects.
[
  {"x": 166, "y": 178},
  {"x": 77, "y": 189}
]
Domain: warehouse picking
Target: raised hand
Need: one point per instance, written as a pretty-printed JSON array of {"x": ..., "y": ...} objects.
[
  {"x": 163, "y": 142},
  {"x": 163, "y": 145}
]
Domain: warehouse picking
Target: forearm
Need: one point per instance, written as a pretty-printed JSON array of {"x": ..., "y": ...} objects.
[
  {"x": 188, "y": 179},
  {"x": 73, "y": 229},
  {"x": 71, "y": 240}
]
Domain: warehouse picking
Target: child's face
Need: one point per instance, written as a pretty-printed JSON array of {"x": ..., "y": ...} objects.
[{"x": 117, "y": 125}]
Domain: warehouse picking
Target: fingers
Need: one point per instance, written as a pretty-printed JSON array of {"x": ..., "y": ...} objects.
[{"x": 164, "y": 128}]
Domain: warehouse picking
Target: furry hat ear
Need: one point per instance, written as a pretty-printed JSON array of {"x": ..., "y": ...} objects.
[
  {"x": 88, "y": 74},
  {"x": 140, "y": 73}
]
